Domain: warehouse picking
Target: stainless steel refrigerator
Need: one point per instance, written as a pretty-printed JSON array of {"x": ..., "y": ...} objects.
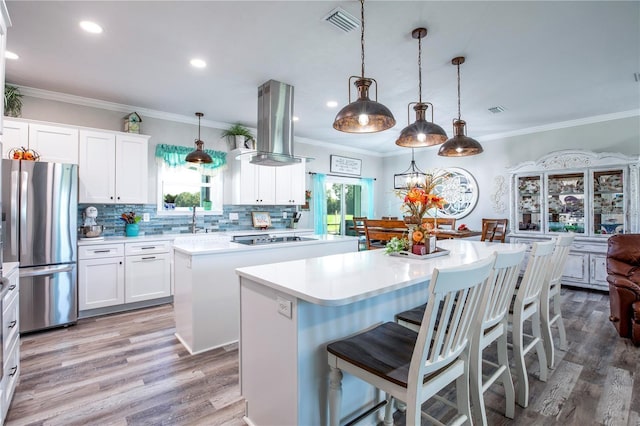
[{"x": 39, "y": 215}]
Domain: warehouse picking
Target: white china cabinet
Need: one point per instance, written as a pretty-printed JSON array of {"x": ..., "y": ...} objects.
[{"x": 591, "y": 194}]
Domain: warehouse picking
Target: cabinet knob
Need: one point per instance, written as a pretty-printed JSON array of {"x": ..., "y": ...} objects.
[
  {"x": 111, "y": 198},
  {"x": 121, "y": 262},
  {"x": 118, "y": 198}
]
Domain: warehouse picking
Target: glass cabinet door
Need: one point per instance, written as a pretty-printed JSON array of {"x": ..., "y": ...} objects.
[
  {"x": 565, "y": 203},
  {"x": 608, "y": 202},
  {"x": 529, "y": 203}
]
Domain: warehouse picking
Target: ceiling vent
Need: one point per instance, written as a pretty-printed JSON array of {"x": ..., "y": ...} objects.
[
  {"x": 343, "y": 21},
  {"x": 496, "y": 109},
  {"x": 636, "y": 75}
]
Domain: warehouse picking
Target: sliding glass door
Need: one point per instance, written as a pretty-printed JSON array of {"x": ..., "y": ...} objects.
[{"x": 344, "y": 202}]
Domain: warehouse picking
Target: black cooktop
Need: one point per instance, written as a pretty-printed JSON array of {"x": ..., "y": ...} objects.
[{"x": 252, "y": 240}]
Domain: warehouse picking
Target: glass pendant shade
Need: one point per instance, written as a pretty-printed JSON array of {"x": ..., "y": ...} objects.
[
  {"x": 411, "y": 177},
  {"x": 198, "y": 155},
  {"x": 460, "y": 145},
  {"x": 363, "y": 115},
  {"x": 422, "y": 132}
]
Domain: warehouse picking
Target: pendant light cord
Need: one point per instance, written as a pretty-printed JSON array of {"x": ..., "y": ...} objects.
[
  {"x": 198, "y": 127},
  {"x": 420, "y": 69},
  {"x": 362, "y": 34},
  {"x": 458, "y": 90}
]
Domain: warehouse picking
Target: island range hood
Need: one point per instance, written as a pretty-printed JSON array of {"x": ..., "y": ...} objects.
[{"x": 275, "y": 126}]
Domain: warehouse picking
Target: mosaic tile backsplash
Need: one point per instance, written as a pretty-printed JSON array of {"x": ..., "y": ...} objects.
[{"x": 109, "y": 217}]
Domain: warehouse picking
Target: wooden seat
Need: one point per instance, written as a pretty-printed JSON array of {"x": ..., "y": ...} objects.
[
  {"x": 358, "y": 227},
  {"x": 412, "y": 367},
  {"x": 441, "y": 222},
  {"x": 494, "y": 230},
  {"x": 550, "y": 298},
  {"x": 378, "y": 232},
  {"x": 491, "y": 325},
  {"x": 526, "y": 306}
]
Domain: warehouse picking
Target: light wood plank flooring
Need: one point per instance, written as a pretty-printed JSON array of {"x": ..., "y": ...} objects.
[{"x": 129, "y": 369}]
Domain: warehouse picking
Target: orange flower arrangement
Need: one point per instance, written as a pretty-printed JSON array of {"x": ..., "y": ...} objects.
[{"x": 419, "y": 198}]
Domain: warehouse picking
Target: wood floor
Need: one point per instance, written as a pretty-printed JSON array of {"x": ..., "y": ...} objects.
[{"x": 129, "y": 369}]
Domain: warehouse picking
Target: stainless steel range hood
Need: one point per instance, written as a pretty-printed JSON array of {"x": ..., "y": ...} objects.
[{"x": 275, "y": 125}]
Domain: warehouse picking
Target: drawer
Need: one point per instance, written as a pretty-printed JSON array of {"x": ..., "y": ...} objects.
[
  {"x": 11, "y": 373},
  {"x": 148, "y": 247},
  {"x": 101, "y": 250},
  {"x": 10, "y": 326},
  {"x": 12, "y": 293}
]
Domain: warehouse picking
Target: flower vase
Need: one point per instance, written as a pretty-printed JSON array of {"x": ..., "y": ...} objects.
[{"x": 131, "y": 229}]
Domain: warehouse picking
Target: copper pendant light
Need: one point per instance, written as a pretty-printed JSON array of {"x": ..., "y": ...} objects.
[
  {"x": 198, "y": 155},
  {"x": 422, "y": 132},
  {"x": 460, "y": 145},
  {"x": 412, "y": 177},
  {"x": 363, "y": 115}
]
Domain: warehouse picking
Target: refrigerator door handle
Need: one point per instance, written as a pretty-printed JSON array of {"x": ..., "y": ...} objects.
[
  {"x": 14, "y": 212},
  {"x": 24, "y": 187},
  {"x": 45, "y": 270}
]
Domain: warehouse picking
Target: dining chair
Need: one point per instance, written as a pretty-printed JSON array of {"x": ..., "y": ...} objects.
[
  {"x": 358, "y": 227},
  {"x": 412, "y": 367},
  {"x": 441, "y": 222},
  {"x": 490, "y": 326},
  {"x": 494, "y": 230},
  {"x": 526, "y": 306},
  {"x": 550, "y": 298},
  {"x": 379, "y": 232}
]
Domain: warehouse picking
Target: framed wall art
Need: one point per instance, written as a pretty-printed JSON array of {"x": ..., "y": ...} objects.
[{"x": 346, "y": 165}]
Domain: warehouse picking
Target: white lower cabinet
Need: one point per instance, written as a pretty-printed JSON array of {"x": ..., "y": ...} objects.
[
  {"x": 147, "y": 277},
  {"x": 10, "y": 342},
  {"x": 113, "y": 275}
]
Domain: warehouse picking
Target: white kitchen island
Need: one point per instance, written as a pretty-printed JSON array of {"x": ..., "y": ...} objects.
[
  {"x": 206, "y": 293},
  {"x": 289, "y": 311}
]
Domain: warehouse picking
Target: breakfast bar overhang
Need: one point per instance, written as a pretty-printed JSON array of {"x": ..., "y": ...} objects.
[{"x": 289, "y": 311}]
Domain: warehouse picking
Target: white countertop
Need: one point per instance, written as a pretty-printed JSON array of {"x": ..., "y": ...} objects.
[
  {"x": 208, "y": 244},
  {"x": 171, "y": 237},
  {"x": 346, "y": 278}
]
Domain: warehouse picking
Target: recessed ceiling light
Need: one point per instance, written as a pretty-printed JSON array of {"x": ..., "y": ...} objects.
[
  {"x": 294, "y": 118},
  {"x": 198, "y": 63},
  {"x": 10, "y": 55},
  {"x": 332, "y": 104},
  {"x": 91, "y": 27}
]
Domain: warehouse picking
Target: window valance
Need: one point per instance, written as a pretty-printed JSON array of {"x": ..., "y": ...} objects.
[{"x": 173, "y": 156}]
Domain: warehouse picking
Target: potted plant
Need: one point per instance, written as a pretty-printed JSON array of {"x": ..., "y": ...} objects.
[
  {"x": 131, "y": 227},
  {"x": 12, "y": 101},
  {"x": 170, "y": 201},
  {"x": 238, "y": 136}
]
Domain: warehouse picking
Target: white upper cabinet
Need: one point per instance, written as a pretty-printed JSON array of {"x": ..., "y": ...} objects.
[
  {"x": 55, "y": 144},
  {"x": 263, "y": 185},
  {"x": 113, "y": 168}
]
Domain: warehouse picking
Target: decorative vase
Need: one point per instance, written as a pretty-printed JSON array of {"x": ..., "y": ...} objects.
[
  {"x": 414, "y": 220},
  {"x": 131, "y": 229}
]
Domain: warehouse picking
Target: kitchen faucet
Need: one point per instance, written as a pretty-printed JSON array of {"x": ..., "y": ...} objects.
[{"x": 193, "y": 220}]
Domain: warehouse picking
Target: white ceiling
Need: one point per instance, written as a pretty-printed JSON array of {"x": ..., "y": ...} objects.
[{"x": 543, "y": 61}]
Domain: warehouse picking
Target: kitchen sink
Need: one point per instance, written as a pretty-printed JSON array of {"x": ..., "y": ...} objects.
[{"x": 252, "y": 240}]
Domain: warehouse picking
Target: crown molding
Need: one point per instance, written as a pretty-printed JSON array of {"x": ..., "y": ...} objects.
[
  {"x": 562, "y": 125},
  {"x": 112, "y": 106}
]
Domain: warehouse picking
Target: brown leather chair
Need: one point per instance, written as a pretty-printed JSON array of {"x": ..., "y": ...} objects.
[{"x": 623, "y": 269}]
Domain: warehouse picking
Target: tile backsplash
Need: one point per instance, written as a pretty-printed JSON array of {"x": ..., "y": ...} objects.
[{"x": 109, "y": 217}]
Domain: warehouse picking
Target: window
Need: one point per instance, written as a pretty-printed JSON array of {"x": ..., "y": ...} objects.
[
  {"x": 182, "y": 185},
  {"x": 179, "y": 189}
]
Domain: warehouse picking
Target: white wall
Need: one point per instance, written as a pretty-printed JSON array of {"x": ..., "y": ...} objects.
[{"x": 621, "y": 135}]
